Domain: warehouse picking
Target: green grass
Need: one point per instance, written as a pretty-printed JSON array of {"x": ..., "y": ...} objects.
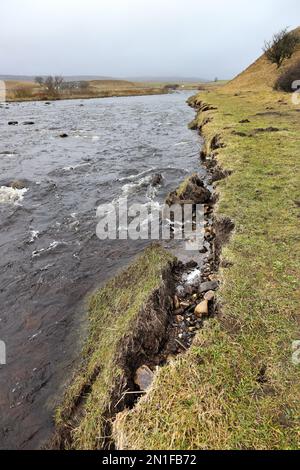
[
  {"x": 113, "y": 311},
  {"x": 237, "y": 387}
]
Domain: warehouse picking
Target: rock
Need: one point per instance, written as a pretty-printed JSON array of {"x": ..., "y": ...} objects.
[
  {"x": 179, "y": 311},
  {"x": 156, "y": 179},
  {"x": 176, "y": 302},
  {"x": 143, "y": 377},
  {"x": 179, "y": 318},
  {"x": 28, "y": 123},
  {"x": 63, "y": 136},
  {"x": 244, "y": 121},
  {"x": 191, "y": 264},
  {"x": 202, "y": 309},
  {"x": 209, "y": 285},
  {"x": 13, "y": 123},
  {"x": 17, "y": 184},
  {"x": 209, "y": 296}
]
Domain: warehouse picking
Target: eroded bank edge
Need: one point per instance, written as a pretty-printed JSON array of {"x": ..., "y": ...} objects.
[{"x": 151, "y": 339}]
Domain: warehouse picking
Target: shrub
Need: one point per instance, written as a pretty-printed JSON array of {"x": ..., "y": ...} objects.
[
  {"x": 281, "y": 47},
  {"x": 286, "y": 79},
  {"x": 22, "y": 93}
]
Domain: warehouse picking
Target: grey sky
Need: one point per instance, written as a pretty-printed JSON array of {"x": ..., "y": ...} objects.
[{"x": 203, "y": 38}]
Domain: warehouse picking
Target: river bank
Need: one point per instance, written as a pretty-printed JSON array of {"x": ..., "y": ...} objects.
[
  {"x": 237, "y": 387},
  {"x": 141, "y": 321},
  {"x": 30, "y": 91}
]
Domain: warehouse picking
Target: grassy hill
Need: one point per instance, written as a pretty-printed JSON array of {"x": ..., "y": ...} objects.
[{"x": 261, "y": 75}]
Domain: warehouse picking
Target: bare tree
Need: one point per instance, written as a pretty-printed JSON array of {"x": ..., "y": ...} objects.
[
  {"x": 281, "y": 47},
  {"x": 39, "y": 81},
  {"x": 53, "y": 84},
  {"x": 58, "y": 81}
]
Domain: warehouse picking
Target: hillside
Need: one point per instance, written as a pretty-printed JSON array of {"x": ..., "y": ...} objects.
[{"x": 261, "y": 75}]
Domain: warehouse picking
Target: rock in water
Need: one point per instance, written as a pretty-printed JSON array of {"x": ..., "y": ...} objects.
[
  {"x": 156, "y": 179},
  {"x": 143, "y": 377},
  {"x": 17, "y": 184},
  {"x": 13, "y": 123},
  {"x": 63, "y": 136},
  {"x": 202, "y": 309}
]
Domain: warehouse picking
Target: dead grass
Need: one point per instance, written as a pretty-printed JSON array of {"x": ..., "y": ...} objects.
[{"x": 29, "y": 91}]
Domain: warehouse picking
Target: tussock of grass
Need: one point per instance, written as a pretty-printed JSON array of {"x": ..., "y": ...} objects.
[
  {"x": 237, "y": 387},
  {"x": 81, "y": 419}
]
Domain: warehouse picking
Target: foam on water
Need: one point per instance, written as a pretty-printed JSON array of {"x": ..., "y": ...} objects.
[{"x": 11, "y": 195}]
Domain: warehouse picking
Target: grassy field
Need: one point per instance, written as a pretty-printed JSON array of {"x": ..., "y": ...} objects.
[
  {"x": 29, "y": 91},
  {"x": 237, "y": 387}
]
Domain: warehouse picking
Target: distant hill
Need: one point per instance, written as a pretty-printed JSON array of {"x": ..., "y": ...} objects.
[
  {"x": 76, "y": 78},
  {"x": 261, "y": 74},
  {"x": 70, "y": 78},
  {"x": 154, "y": 79}
]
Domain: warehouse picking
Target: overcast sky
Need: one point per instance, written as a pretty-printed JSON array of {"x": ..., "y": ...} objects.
[{"x": 202, "y": 38}]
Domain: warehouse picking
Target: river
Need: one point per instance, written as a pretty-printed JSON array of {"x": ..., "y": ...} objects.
[{"x": 50, "y": 256}]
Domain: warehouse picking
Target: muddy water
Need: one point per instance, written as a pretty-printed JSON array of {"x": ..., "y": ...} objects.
[{"x": 50, "y": 257}]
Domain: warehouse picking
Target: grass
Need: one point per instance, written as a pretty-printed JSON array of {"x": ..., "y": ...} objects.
[
  {"x": 237, "y": 388},
  {"x": 112, "y": 315}
]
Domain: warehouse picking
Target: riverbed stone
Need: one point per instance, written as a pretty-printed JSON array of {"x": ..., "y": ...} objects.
[
  {"x": 179, "y": 318},
  {"x": 209, "y": 296},
  {"x": 202, "y": 309},
  {"x": 208, "y": 285},
  {"x": 143, "y": 377},
  {"x": 156, "y": 179}
]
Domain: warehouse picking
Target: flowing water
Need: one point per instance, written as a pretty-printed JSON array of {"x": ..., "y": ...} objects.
[{"x": 50, "y": 256}]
